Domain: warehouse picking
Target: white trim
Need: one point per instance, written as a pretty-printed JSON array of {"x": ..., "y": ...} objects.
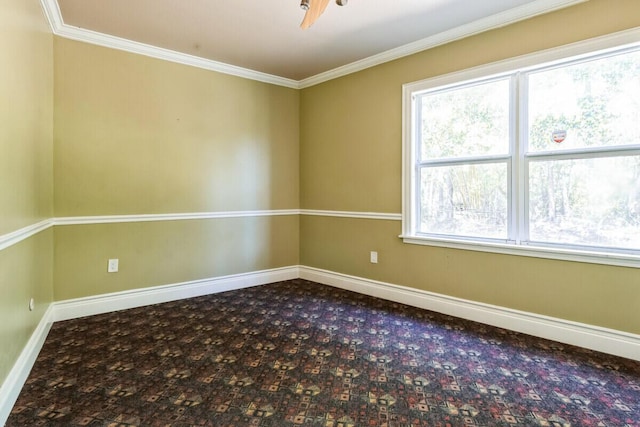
[
  {"x": 592, "y": 337},
  {"x": 12, "y": 385},
  {"x": 10, "y": 239},
  {"x": 80, "y": 307},
  {"x": 546, "y": 57},
  {"x": 596, "y": 338},
  {"x": 508, "y": 17},
  {"x": 18, "y": 236},
  {"x": 52, "y": 12},
  {"x": 112, "y": 42},
  {"x": 109, "y": 219},
  {"x": 59, "y": 28},
  {"x": 539, "y": 7},
  {"x": 359, "y": 215},
  {"x": 89, "y": 306},
  {"x": 563, "y": 254},
  {"x": 550, "y": 57}
]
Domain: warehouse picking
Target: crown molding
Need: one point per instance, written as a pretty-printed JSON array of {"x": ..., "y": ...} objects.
[
  {"x": 59, "y": 28},
  {"x": 489, "y": 23},
  {"x": 52, "y": 12}
]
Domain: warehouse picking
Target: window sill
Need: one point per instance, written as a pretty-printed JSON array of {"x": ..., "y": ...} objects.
[{"x": 616, "y": 259}]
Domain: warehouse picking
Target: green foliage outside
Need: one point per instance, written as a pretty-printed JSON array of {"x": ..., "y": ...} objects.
[{"x": 591, "y": 200}]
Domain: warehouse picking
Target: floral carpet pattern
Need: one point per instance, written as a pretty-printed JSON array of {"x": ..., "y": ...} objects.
[{"x": 298, "y": 353}]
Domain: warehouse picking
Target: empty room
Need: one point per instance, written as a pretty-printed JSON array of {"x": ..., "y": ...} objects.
[{"x": 320, "y": 213}]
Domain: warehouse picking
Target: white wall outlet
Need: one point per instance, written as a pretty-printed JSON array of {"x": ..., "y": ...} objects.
[
  {"x": 32, "y": 304},
  {"x": 112, "y": 266},
  {"x": 374, "y": 257}
]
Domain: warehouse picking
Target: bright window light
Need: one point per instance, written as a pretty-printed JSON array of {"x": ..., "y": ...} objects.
[{"x": 543, "y": 160}]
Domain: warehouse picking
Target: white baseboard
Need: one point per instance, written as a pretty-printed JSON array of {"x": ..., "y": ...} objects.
[
  {"x": 592, "y": 337},
  {"x": 596, "y": 338},
  {"x": 80, "y": 307},
  {"x": 12, "y": 385}
]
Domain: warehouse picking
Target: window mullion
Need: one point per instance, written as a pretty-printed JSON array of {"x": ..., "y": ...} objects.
[
  {"x": 417, "y": 156},
  {"x": 577, "y": 195},
  {"x": 522, "y": 173}
]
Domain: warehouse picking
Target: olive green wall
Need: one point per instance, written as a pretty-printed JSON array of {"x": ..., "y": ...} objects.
[
  {"x": 26, "y": 126},
  {"x": 167, "y": 252},
  {"x": 90, "y": 131},
  {"x": 136, "y": 135},
  {"x": 350, "y": 160}
]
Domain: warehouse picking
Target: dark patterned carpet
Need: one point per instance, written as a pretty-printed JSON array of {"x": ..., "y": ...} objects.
[{"x": 297, "y": 353}]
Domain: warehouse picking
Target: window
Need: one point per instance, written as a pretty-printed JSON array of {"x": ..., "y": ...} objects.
[{"x": 540, "y": 160}]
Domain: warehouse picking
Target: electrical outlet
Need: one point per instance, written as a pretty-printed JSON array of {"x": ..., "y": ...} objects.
[
  {"x": 112, "y": 266},
  {"x": 374, "y": 257}
]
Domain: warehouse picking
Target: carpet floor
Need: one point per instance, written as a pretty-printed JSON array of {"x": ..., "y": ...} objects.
[{"x": 298, "y": 353}]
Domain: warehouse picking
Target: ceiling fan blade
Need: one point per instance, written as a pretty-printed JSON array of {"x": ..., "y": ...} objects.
[{"x": 316, "y": 9}]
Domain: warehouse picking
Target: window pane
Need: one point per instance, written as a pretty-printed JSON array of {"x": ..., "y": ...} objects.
[
  {"x": 467, "y": 121},
  {"x": 465, "y": 200},
  {"x": 591, "y": 202},
  {"x": 595, "y": 104}
]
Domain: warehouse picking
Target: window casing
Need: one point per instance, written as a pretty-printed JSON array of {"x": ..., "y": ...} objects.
[{"x": 537, "y": 156}]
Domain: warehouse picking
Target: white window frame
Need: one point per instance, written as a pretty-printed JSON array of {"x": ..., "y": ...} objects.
[{"x": 518, "y": 205}]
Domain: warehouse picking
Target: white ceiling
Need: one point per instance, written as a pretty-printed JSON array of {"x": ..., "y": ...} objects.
[{"x": 264, "y": 35}]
